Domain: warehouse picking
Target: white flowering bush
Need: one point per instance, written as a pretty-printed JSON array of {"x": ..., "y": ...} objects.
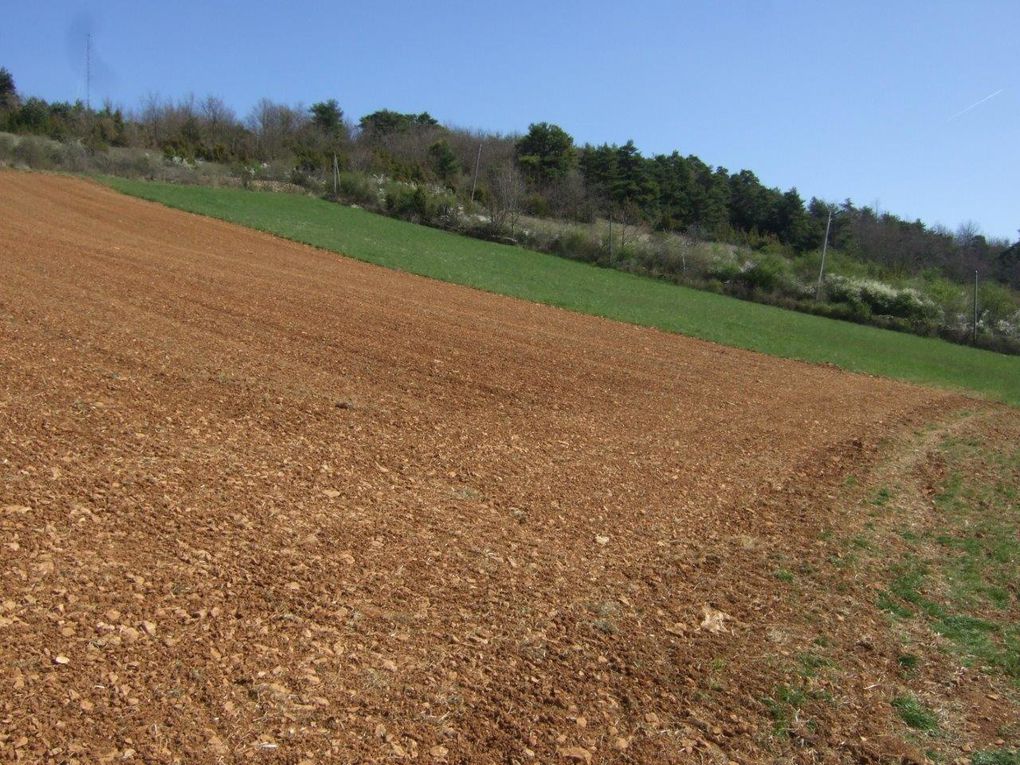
[
  {"x": 1009, "y": 327},
  {"x": 879, "y": 298}
]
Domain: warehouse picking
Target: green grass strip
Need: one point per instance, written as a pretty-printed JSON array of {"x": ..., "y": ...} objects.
[{"x": 601, "y": 292}]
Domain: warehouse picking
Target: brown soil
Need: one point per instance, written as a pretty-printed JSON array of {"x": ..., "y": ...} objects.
[{"x": 261, "y": 503}]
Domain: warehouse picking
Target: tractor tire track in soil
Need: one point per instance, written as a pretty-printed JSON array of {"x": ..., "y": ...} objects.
[{"x": 262, "y": 503}]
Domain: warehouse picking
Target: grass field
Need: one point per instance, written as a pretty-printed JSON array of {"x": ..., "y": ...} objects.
[{"x": 601, "y": 292}]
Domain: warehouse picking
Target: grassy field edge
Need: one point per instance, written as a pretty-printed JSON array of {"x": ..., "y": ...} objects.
[{"x": 584, "y": 288}]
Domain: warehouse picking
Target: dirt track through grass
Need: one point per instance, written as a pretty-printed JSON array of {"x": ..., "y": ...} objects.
[{"x": 260, "y": 501}]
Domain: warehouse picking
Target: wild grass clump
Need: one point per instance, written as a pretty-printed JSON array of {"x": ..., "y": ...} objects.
[{"x": 915, "y": 714}]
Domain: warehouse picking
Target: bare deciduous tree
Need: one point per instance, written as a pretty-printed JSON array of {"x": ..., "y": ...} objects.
[
  {"x": 506, "y": 190},
  {"x": 216, "y": 113},
  {"x": 275, "y": 126}
]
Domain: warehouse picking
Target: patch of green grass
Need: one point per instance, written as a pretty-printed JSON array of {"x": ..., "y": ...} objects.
[
  {"x": 915, "y": 714},
  {"x": 982, "y": 560},
  {"x": 811, "y": 664},
  {"x": 950, "y": 489},
  {"x": 968, "y": 630},
  {"x": 715, "y": 671},
  {"x": 974, "y": 560},
  {"x": 602, "y": 292},
  {"x": 986, "y": 562},
  {"x": 996, "y": 757},
  {"x": 794, "y": 697},
  {"x": 998, "y": 596},
  {"x": 785, "y": 705},
  {"x": 780, "y": 715},
  {"x": 784, "y": 576},
  {"x": 782, "y": 707},
  {"x": 888, "y": 603},
  {"x": 881, "y": 498},
  {"x": 909, "y": 578},
  {"x": 908, "y": 662}
]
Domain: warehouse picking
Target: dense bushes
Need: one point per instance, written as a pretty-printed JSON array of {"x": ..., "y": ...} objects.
[
  {"x": 420, "y": 205},
  {"x": 576, "y": 246},
  {"x": 359, "y": 189}
]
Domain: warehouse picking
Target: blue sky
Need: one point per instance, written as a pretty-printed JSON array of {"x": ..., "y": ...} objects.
[{"x": 860, "y": 100}]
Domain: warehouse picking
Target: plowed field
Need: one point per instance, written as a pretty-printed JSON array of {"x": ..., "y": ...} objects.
[{"x": 261, "y": 503}]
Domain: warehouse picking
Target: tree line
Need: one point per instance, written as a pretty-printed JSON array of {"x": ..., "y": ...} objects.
[{"x": 543, "y": 173}]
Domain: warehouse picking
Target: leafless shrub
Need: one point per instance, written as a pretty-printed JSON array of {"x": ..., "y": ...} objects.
[{"x": 506, "y": 190}]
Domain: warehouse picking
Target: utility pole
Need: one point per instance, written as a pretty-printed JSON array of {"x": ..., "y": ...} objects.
[
  {"x": 825, "y": 249},
  {"x": 336, "y": 176},
  {"x": 610, "y": 233},
  {"x": 474, "y": 180},
  {"x": 973, "y": 338}
]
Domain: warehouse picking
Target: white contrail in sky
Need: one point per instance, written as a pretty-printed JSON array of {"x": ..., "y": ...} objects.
[{"x": 975, "y": 105}]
